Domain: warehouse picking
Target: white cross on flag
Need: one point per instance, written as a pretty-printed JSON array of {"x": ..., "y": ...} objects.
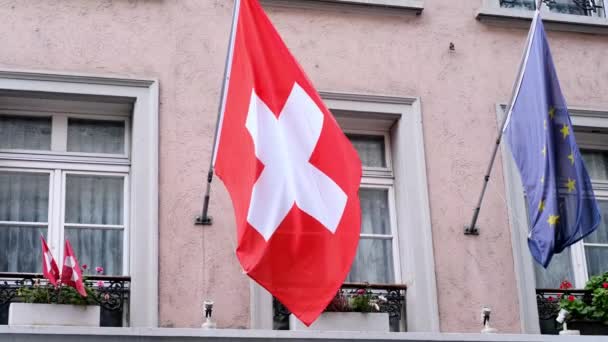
[
  {"x": 70, "y": 273},
  {"x": 292, "y": 174},
  {"x": 49, "y": 266}
]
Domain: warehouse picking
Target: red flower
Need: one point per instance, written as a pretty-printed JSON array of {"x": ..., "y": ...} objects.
[
  {"x": 550, "y": 298},
  {"x": 571, "y": 298},
  {"x": 84, "y": 266},
  {"x": 99, "y": 269},
  {"x": 360, "y": 291},
  {"x": 605, "y": 285},
  {"x": 565, "y": 285}
]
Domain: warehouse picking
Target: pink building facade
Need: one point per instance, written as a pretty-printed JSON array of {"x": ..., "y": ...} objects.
[{"x": 417, "y": 84}]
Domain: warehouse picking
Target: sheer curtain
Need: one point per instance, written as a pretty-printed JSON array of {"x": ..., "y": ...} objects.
[
  {"x": 94, "y": 220},
  {"x": 25, "y": 133},
  {"x": 374, "y": 260},
  {"x": 96, "y": 136},
  {"x": 24, "y": 199}
]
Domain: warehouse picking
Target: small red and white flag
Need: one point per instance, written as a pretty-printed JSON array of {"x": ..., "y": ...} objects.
[
  {"x": 70, "y": 273},
  {"x": 49, "y": 266},
  {"x": 292, "y": 174}
]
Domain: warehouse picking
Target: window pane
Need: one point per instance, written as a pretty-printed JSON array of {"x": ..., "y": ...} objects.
[
  {"x": 375, "y": 218},
  {"x": 576, "y": 7},
  {"x": 559, "y": 269},
  {"x": 373, "y": 263},
  {"x": 25, "y": 133},
  {"x": 24, "y": 196},
  {"x": 597, "y": 260},
  {"x": 98, "y": 247},
  {"x": 94, "y": 199},
  {"x": 96, "y": 136},
  {"x": 20, "y": 249},
  {"x": 596, "y": 163},
  {"x": 601, "y": 233},
  {"x": 370, "y": 149}
]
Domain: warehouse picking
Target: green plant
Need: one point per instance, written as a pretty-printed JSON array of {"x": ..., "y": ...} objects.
[
  {"x": 597, "y": 309},
  {"x": 46, "y": 293}
]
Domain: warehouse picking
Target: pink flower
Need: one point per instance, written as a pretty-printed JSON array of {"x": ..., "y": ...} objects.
[
  {"x": 106, "y": 296},
  {"x": 565, "y": 285},
  {"x": 550, "y": 298},
  {"x": 99, "y": 269},
  {"x": 100, "y": 283},
  {"x": 605, "y": 285},
  {"x": 84, "y": 266},
  {"x": 360, "y": 291},
  {"x": 571, "y": 298}
]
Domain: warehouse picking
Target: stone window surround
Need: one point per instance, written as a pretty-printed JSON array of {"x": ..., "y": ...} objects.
[
  {"x": 492, "y": 13},
  {"x": 403, "y": 117},
  {"x": 392, "y": 6},
  {"x": 143, "y": 247}
]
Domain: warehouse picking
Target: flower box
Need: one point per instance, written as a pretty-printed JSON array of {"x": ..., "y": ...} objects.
[
  {"x": 53, "y": 314},
  {"x": 345, "y": 321},
  {"x": 589, "y": 327}
]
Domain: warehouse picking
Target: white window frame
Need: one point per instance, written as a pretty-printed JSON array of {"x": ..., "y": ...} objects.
[
  {"x": 402, "y": 117},
  {"x": 143, "y": 180},
  {"x": 523, "y": 262},
  {"x": 492, "y": 13},
  {"x": 386, "y": 6}
]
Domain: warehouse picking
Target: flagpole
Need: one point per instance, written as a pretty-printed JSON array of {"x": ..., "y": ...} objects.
[
  {"x": 471, "y": 229},
  {"x": 204, "y": 218}
]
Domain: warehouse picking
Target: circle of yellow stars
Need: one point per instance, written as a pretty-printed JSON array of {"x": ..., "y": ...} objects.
[{"x": 571, "y": 183}]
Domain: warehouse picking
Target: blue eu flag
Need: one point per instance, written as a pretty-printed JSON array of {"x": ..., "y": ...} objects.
[{"x": 561, "y": 206}]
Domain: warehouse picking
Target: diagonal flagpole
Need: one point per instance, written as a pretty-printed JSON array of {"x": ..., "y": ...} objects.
[
  {"x": 471, "y": 229},
  {"x": 204, "y": 218}
]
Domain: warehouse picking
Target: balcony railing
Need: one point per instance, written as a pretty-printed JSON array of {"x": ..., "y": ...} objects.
[
  {"x": 112, "y": 297},
  {"x": 390, "y": 298},
  {"x": 547, "y": 301}
]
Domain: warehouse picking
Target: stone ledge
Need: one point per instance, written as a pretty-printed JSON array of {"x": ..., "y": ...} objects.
[
  {"x": 553, "y": 21},
  {"x": 82, "y": 334},
  {"x": 385, "y": 6}
]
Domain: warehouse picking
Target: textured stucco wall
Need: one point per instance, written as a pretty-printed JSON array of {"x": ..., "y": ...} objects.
[{"x": 183, "y": 42}]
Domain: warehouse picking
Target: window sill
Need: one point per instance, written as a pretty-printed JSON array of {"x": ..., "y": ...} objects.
[
  {"x": 394, "y": 6},
  {"x": 553, "y": 21}
]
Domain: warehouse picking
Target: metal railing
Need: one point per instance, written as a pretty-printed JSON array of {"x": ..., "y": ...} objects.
[
  {"x": 547, "y": 301},
  {"x": 112, "y": 296},
  {"x": 387, "y": 298}
]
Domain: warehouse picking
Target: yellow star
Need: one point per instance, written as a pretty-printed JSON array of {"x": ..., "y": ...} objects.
[
  {"x": 571, "y": 157},
  {"x": 571, "y": 185},
  {"x": 565, "y": 130},
  {"x": 553, "y": 219},
  {"x": 541, "y": 205},
  {"x": 552, "y": 112},
  {"x": 544, "y": 151}
]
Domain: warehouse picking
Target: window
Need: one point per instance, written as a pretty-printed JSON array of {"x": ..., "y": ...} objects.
[
  {"x": 588, "y": 257},
  {"x": 377, "y": 255},
  {"x": 79, "y": 160},
  {"x": 69, "y": 183},
  {"x": 576, "y": 7}
]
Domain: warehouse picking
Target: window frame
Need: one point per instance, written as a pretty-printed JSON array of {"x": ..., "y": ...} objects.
[
  {"x": 518, "y": 221},
  {"x": 143, "y": 222},
  {"x": 492, "y": 13},
  {"x": 402, "y": 117}
]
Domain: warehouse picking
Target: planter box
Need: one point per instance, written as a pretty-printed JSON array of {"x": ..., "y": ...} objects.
[
  {"x": 589, "y": 327},
  {"x": 53, "y": 314},
  {"x": 345, "y": 321}
]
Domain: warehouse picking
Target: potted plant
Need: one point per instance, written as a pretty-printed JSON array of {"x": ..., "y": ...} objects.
[
  {"x": 59, "y": 299},
  {"x": 590, "y": 317},
  {"x": 357, "y": 310}
]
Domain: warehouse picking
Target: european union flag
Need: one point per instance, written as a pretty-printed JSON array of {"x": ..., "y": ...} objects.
[{"x": 561, "y": 206}]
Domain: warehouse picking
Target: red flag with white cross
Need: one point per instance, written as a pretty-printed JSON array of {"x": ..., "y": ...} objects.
[
  {"x": 70, "y": 273},
  {"x": 292, "y": 174},
  {"x": 49, "y": 266}
]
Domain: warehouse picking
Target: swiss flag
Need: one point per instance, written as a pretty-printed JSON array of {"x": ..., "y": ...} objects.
[
  {"x": 49, "y": 266},
  {"x": 70, "y": 273},
  {"x": 292, "y": 174}
]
